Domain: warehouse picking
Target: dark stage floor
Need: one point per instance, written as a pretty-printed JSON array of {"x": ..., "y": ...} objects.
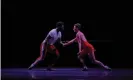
[{"x": 66, "y": 74}]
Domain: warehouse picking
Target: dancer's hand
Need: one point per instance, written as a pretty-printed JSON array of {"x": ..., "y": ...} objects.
[
  {"x": 64, "y": 44},
  {"x": 65, "y": 41}
]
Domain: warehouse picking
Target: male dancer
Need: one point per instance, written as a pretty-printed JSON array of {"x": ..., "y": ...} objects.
[
  {"x": 48, "y": 44},
  {"x": 85, "y": 48}
]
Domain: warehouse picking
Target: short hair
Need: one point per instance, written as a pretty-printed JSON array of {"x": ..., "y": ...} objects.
[
  {"x": 59, "y": 24},
  {"x": 78, "y": 25}
]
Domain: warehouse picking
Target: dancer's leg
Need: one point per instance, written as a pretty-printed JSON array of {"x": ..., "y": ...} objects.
[
  {"x": 95, "y": 61},
  {"x": 81, "y": 58},
  {"x": 41, "y": 57},
  {"x": 55, "y": 52}
]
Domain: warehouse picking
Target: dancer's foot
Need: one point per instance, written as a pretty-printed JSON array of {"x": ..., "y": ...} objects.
[
  {"x": 31, "y": 67},
  {"x": 85, "y": 68},
  {"x": 108, "y": 68}
]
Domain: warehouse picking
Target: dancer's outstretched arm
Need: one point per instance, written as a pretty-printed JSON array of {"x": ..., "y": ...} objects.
[{"x": 70, "y": 42}]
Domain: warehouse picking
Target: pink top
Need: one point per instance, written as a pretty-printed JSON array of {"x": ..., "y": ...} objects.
[{"x": 81, "y": 38}]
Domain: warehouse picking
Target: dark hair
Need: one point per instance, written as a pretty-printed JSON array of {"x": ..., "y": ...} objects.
[
  {"x": 59, "y": 24},
  {"x": 78, "y": 25}
]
